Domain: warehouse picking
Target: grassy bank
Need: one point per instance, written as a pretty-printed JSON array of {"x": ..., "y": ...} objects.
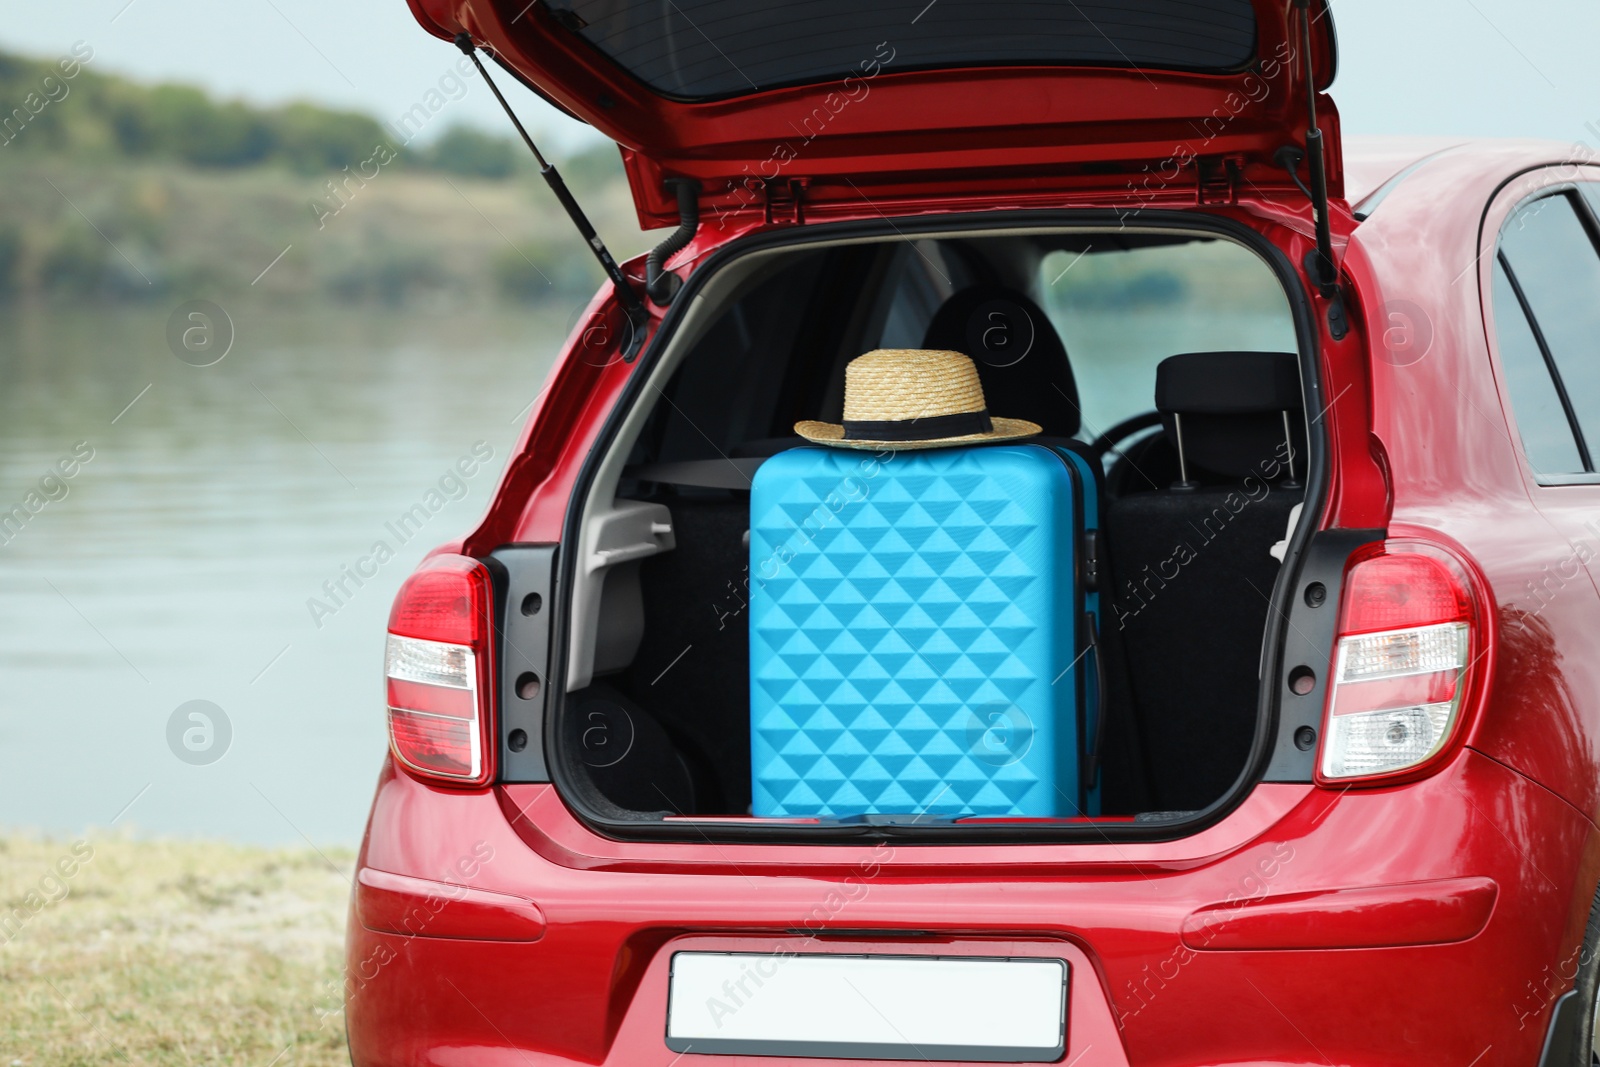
[
  {"x": 161, "y": 231},
  {"x": 136, "y": 952}
]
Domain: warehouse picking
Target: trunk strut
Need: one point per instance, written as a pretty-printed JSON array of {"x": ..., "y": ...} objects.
[
  {"x": 1327, "y": 276},
  {"x": 1320, "y": 268},
  {"x": 638, "y": 317}
]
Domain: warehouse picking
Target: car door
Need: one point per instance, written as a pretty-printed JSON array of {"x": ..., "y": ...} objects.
[{"x": 1539, "y": 273}]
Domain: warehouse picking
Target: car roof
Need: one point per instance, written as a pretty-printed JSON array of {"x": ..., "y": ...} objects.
[
  {"x": 1370, "y": 161},
  {"x": 1469, "y": 167},
  {"x": 1422, "y": 204}
]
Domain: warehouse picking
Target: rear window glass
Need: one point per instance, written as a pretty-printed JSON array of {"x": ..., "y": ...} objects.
[{"x": 702, "y": 49}]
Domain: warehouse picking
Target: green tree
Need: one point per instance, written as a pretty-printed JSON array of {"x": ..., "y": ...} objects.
[
  {"x": 464, "y": 150},
  {"x": 181, "y": 122},
  {"x": 594, "y": 167},
  {"x": 312, "y": 139}
]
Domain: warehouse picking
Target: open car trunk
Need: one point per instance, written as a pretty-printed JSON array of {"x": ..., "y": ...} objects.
[
  {"x": 855, "y": 147},
  {"x": 652, "y": 727}
]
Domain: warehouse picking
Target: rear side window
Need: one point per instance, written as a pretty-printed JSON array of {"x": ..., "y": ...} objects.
[
  {"x": 1552, "y": 271},
  {"x": 1541, "y": 419}
]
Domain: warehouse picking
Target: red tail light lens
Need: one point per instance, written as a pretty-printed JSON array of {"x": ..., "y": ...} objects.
[
  {"x": 1406, "y": 639},
  {"x": 1406, "y": 589},
  {"x": 439, "y": 667}
]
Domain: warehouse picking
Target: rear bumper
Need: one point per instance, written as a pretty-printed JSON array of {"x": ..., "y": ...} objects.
[{"x": 1308, "y": 940}]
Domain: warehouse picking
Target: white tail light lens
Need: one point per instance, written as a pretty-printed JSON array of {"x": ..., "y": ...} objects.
[
  {"x": 1405, "y": 646},
  {"x": 438, "y": 668},
  {"x": 1395, "y": 699},
  {"x": 433, "y": 703}
]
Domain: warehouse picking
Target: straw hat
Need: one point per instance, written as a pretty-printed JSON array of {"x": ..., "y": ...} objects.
[{"x": 913, "y": 398}]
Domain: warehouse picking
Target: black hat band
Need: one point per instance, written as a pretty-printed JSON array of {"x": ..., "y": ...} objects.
[{"x": 932, "y": 428}]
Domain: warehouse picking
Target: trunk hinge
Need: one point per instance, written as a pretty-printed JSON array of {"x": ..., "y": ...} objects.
[
  {"x": 1218, "y": 178},
  {"x": 785, "y": 200}
]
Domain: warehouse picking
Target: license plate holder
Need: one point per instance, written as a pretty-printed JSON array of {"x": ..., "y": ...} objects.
[{"x": 882, "y": 1007}]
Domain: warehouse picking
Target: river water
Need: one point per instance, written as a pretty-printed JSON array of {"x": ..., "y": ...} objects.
[{"x": 176, "y": 563}]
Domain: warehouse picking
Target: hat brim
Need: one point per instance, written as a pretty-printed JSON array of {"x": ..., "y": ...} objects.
[{"x": 832, "y": 433}]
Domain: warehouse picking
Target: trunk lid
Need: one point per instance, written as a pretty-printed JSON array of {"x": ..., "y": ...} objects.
[{"x": 783, "y": 108}]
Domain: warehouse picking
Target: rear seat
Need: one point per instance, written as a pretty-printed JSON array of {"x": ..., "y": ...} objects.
[
  {"x": 1192, "y": 574},
  {"x": 1022, "y": 363}
]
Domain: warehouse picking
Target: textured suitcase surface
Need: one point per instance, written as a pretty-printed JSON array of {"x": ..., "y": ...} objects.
[{"x": 915, "y": 633}]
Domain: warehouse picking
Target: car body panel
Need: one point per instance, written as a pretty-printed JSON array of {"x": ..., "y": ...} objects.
[
  {"x": 591, "y": 989},
  {"x": 1433, "y": 912},
  {"x": 1373, "y": 160},
  {"x": 1442, "y": 422},
  {"x": 546, "y": 825},
  {"x": 925, "y": 132}
]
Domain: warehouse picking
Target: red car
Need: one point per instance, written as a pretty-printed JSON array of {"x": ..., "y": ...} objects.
[{"x": 1351, "y": 519}]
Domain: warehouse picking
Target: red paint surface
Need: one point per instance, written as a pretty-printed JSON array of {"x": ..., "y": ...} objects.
[
  {"x": 1380, "y": 916},
  {"x": 943, "y": 133},
  {"x": 590, "y": 990},
  {"x": 421, "y": 907}
]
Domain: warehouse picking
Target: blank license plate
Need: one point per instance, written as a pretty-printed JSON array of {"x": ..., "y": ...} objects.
[{"x": 868, "y": 1007}]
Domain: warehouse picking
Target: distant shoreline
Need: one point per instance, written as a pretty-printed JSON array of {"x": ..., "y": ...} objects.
[
  {"x": 123, "y": 192},
  {"x": 138, "y": 231}
]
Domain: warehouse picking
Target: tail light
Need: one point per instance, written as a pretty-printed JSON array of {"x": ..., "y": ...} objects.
[
  {"x": 439, "y": 665},
  {"x": 1406, "y": 645}
]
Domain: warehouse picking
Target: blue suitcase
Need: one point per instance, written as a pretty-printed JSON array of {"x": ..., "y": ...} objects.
[{"x": 922, "y": 628}]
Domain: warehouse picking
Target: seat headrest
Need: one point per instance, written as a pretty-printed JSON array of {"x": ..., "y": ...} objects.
[
  {"x": 1021, "y": 361},
  {"x": 1228, "y": 383},
  {"x": 1232, "y": 406}
]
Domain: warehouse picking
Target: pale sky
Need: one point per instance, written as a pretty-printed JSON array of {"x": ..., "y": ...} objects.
[{"x": 1490, "y": 68}]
